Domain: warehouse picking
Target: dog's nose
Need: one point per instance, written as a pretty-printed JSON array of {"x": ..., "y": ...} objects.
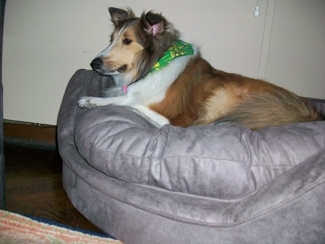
[{"x": 96, "y": 63}]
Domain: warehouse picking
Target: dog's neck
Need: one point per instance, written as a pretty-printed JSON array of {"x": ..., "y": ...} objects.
[{"x": 177, "y": 49}]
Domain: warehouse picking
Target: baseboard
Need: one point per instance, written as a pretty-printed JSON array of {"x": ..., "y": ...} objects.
[{"x": 30, "y": 134}]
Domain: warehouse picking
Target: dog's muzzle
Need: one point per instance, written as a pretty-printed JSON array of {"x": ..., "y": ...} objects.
[{"x": 98, "y": 65}]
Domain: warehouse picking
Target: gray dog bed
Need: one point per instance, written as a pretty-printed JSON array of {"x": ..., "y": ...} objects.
[{"x": 205, "y": 184}]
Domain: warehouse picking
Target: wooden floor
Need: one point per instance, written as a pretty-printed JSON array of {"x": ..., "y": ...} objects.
[{"x": 34, "y": 185}]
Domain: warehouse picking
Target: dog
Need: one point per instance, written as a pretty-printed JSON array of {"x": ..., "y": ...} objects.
[{"x": 167, "y": 81}]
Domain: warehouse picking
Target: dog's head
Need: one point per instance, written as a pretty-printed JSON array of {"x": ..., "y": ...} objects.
[{"x": 136, "y": 45}]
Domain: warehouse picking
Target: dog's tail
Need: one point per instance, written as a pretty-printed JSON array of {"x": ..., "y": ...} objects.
[{"x": 271, "y": 110}]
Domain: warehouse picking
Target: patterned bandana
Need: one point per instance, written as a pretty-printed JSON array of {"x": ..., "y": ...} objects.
[{"x": 177, "y": 49}]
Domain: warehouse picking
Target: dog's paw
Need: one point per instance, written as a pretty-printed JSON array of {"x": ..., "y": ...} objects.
[{"x": 87, "y": 103}]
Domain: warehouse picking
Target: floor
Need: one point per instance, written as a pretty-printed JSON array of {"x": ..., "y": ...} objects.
[{"x": 34, "y": 179}]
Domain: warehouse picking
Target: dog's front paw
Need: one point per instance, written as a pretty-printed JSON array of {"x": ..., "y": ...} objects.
[{"x": 87, "y": 103}]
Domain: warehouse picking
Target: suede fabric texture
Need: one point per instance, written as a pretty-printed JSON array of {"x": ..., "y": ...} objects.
[{"x": 207, "y": 184}]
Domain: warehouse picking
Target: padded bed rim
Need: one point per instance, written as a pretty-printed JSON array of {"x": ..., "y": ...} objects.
[{"x": 138, "y": 194}]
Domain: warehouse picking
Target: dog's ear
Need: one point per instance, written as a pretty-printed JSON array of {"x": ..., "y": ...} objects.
[
  {"x": 120, "y": 15},
  {"x": 153, "y": 23}
]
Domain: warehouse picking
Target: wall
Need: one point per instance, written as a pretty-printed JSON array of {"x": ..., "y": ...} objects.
[
  {"x": 45, "y": 42},
  {"x": 296, "y": 57}
]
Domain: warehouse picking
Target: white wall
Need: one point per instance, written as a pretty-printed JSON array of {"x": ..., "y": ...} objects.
[
  {"x": 296, "y": 57},
  {"x": 46, "y": 41}
]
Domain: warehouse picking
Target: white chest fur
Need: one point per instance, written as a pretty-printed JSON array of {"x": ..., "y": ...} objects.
[{"x": 152, "y": 88}]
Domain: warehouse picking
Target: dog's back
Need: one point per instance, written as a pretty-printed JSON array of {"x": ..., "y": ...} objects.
[{"x": 203, "y": 95}]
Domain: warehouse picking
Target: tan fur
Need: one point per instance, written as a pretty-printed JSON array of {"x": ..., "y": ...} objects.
[
  {"x": 202, "y": 95},
  {"x": 122, "y": 54}
]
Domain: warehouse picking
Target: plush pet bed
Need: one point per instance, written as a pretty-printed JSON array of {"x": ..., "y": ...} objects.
[{"x": 207, "y": 184}]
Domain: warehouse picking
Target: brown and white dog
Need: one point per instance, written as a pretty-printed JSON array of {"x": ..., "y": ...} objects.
[{"x": 188, "y": 91}]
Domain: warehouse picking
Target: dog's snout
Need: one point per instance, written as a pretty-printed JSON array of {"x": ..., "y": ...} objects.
[{"x": 96, "y": 63}]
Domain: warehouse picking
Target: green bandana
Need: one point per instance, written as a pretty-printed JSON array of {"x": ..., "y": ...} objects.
[{"x": 177, "y": 49}]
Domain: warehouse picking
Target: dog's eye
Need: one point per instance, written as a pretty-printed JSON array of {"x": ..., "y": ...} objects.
[{"x": 127, "y": 41}]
